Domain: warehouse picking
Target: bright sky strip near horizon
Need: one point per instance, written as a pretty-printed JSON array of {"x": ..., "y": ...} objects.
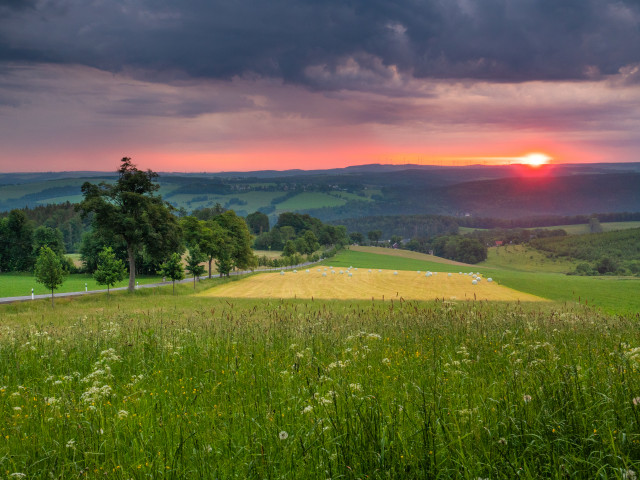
[{"x": 212, "y": 85}]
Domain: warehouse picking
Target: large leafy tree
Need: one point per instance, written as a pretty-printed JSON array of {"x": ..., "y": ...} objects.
[
  {"x": 208, "y": 236},
  {"x": 225, "y": 239},
  {"x": 131, "y": 211},
  {"x": 237, "y": 248},
  {"x": 48, "y": 270}
]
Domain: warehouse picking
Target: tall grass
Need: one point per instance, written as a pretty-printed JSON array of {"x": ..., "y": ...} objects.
[{"x": 155, "y": 386}]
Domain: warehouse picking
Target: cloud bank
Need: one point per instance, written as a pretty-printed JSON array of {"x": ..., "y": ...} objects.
[{"x": 317, "y": 79}]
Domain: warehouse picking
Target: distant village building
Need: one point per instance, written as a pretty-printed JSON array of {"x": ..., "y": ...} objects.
[{"x": 499, "y": 243}]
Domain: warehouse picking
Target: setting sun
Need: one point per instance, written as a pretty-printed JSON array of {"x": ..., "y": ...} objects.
[{"x": 535, "y": 159}]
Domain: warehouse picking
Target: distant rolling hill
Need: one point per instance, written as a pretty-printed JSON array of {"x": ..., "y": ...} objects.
[{"x": 508, "y": 191}]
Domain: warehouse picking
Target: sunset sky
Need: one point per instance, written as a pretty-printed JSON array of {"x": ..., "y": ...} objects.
[{"x": 223, "y": 85}]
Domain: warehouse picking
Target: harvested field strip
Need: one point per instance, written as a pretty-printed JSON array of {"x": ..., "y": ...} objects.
[{"x": 363, "y": 284}]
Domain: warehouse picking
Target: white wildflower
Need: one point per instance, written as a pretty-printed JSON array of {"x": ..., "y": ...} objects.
[
  {"x": 71, "y": 444},
  {"x": 109, "y": 355},
  {"x": 307, "y": 409},
  {"x": 526, "y": 398},
  {"x": 123, "y": 414},
  {"x": 386, "y": 361},
  {"x": 95, "y": 394},
  {"x": 283, "y": 435}
]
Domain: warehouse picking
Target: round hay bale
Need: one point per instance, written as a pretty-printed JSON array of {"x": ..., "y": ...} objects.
[
  {"x": 474, "y": 282},
  {"x": 489, "y": 279}
]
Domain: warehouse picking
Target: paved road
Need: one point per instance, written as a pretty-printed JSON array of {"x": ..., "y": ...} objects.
[{"x": 147, "y": 285}]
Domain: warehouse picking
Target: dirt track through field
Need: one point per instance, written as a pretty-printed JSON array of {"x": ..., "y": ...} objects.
[{"x": 364, "y": 284}]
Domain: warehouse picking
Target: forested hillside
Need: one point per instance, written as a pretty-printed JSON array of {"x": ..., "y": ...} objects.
[{"x": 608, "y": 252}]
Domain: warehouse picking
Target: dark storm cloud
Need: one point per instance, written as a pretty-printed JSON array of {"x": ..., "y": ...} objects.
[{"x": 329, "y": 44}]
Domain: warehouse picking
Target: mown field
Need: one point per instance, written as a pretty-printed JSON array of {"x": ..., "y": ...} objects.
[
  {"x": 152, "y": 385},
  {"x": 369, "y": 284}
]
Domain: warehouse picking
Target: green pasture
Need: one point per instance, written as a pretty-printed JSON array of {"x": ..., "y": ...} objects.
[
  {"x": 20, "y": 284},
  {"x": 611, "y": 294},
  {"x": 352, "y": 196},
  {"x": 152, "y": 385},
  {"x": 67, "y": 198},
  {"x": 254, "y": 200},
  {"x": 12, "y": 192},
  {"x": 308, "y": 200},
  {"x": 350, "y": 258}
]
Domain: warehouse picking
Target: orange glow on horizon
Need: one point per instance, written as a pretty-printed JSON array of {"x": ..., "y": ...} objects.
[
  {"x": 535, "y": 159},
  {"x": 281, "y": 157}
]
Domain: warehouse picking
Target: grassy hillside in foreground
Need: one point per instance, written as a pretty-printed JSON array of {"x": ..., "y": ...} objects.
[
  {"x": 611, "y": 294},
  {"x": 158, "y": 386}
]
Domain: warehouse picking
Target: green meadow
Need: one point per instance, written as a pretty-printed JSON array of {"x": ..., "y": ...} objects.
[
  {"x": 152, "y": 385},
  {"x": 155, "y": 385},
  {"x": 20, "y": 284},
  {"x": 351, "y": 258},
  {"x": 308, "y": 200}
]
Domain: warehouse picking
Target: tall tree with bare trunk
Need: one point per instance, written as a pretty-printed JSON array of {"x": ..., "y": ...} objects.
[{"x": 130, "y": 210}]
